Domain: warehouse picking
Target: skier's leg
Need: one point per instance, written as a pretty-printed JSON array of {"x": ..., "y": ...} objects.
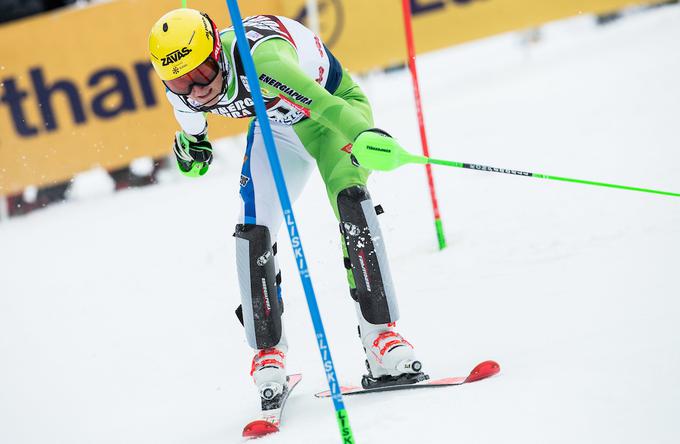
[
  {"x": 261, "y": 306},
  {"x": 256, "y": 262},
  {"x": 364, "y": 251},
  {"x": 364, "y": 244},
  {"x": 387, "y": 352}
]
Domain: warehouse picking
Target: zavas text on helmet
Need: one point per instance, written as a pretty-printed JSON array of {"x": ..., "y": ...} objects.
[{"x": 175, "y": 56}]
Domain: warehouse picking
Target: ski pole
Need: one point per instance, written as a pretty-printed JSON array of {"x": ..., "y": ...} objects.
[
  {"x": 410, "y": 45},
  {"x": 394, "y": 156},
  {"x": 263, "y": 120}
]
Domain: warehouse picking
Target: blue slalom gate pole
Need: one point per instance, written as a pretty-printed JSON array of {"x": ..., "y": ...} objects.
[{"x": 263, "y": 120}]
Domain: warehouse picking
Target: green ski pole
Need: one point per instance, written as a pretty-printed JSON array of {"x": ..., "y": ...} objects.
[{"x": 392, "y": 156}]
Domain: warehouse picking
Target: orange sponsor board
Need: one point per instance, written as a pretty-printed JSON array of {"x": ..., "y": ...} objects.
[{"x": 77, "y": 89}]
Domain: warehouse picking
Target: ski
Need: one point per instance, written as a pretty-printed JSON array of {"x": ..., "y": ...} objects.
[
  {"x": 483, "y": 370},
  {"x": 272, "y": 410}
]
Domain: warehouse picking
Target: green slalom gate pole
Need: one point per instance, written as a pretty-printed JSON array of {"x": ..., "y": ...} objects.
[
  {"x": 344, "y": 427},
  {"x": 386, "y": 157}
]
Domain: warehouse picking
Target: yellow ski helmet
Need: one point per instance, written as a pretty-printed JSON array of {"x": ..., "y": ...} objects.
[{"x": 181, "y": 40}]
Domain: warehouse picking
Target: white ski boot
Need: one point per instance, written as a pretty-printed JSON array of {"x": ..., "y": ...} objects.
[
  {"x": 390, "y": 359},
  {"x": 388, "y": 353},
  {"x": 269, "y": 371}
]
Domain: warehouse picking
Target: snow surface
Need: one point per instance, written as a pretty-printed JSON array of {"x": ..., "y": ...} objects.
[{"x": 116, "y": 312}]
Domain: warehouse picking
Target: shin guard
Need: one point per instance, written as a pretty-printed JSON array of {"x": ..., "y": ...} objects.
[
  {"x": 367, "y": 257},
  {"x": 261, "y": 307}
]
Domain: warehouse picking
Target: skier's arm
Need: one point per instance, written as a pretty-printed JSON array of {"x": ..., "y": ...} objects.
[
  {"x": 191, "y": 146},
  {"x": 277, "y": 59},
  {"x": 192, "y": 122}
]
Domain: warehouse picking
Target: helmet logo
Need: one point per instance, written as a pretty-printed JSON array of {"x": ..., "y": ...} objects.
[{"x": 175, "y": 56}]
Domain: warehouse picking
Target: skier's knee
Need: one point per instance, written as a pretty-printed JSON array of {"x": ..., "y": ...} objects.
[
  {"x": 261, "y": 305},
  {"x": 367, "y": 258}
]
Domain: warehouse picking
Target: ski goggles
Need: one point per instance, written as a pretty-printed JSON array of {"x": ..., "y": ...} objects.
[{"x": 202, "y": 75}]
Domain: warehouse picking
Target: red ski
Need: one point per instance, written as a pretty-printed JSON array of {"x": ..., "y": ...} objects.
[
  {"x": 483, "y": 370},
  {"x": 271, "y": 412}
]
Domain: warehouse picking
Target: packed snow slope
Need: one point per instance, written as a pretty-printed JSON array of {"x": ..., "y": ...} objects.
[{"x": 116, "y": 312}]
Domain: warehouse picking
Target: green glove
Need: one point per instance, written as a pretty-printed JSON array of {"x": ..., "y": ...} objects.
[
  {"x": 374, "y": 149},
  {"x": 194, "y": 153}
]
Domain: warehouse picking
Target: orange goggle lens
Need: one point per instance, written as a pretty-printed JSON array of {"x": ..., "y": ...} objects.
[{"x": 202, "y": 75}]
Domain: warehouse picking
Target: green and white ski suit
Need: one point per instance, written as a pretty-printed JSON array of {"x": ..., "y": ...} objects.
[{"x": 316, "y": 111}]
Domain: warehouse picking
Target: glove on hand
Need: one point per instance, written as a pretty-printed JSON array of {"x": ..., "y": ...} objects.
[
  {"x": 194, "y": 153},
  {"x": 364, "y": 137},
  {"x": 375, "y": 149}
]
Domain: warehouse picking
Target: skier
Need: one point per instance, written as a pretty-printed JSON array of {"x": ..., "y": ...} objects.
[{"x": 317, "y": 112}]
